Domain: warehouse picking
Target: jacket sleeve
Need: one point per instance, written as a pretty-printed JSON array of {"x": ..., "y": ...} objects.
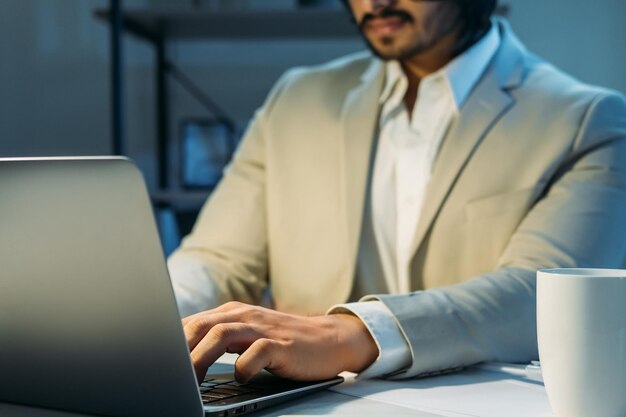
[
  {"x": 225, "y": 256},
  {"x": 580, "y": 222}
]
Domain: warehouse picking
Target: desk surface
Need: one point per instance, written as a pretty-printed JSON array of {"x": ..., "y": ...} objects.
[{"x": 473, "y": 392}]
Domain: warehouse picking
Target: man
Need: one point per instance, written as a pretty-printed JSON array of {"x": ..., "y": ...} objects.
[{"x": 443, "y": 173}]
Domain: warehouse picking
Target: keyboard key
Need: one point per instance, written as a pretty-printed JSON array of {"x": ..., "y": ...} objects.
[
  {"x": 239, "y": 390},
  {"x": 212, "y": 396},
  {"x": 225, "y": 391}
]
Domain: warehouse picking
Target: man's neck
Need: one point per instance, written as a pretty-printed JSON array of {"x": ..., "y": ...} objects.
[{"x": 419, "y": 66}]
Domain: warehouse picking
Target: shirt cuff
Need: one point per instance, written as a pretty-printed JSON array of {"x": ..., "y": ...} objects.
[
  {"x": 394, "y": 354},
  {"x": 193, "y": 287}
]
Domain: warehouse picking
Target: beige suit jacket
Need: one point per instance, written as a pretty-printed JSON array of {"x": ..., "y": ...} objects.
[{"x": 532, "y": 174}]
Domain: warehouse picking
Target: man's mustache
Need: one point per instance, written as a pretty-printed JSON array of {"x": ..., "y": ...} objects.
[{"x": 384, "y": 14}]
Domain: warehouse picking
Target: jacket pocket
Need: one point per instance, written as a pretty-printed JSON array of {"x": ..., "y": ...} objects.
[{"x": 496, "y": 204}]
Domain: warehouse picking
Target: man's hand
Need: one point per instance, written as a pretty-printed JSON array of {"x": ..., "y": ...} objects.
[{"x": 295, "y": 347}]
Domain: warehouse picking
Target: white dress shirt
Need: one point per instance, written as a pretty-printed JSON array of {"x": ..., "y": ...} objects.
[
  {"x": 406, "y": 150},
  {"x": 407, "y": 147},
  {"x": 194, "y": 289}
]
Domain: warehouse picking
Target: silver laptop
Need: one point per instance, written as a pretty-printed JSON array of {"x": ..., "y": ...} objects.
[{"x": 88, "y": 319}]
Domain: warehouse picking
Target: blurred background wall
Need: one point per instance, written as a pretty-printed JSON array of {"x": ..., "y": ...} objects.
[{"x": 54, "y": 70}]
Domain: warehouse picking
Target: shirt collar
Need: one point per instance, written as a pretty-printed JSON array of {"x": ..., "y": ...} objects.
[
  {"x": 461, "y": 74},
  {"x": 393, "y": 76}
]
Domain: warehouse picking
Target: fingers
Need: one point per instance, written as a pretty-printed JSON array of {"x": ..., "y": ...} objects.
[
  {"x": 262, "y": 354},
  {"x": 232, "y": 305},
  {"x": 200, "y": 324},
  {"x": 221, "y": 338}
]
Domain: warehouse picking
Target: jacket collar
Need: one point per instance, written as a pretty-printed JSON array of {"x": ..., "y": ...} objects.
[{"x": 487, "y": 103}]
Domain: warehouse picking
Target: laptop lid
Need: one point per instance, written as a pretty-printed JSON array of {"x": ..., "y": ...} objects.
[{"x": 88, "y": 320}]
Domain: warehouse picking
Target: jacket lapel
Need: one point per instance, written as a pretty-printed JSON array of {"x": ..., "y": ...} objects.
[
  {"x": 485, "y": 105},
  {"x": 360, "y": 120}
]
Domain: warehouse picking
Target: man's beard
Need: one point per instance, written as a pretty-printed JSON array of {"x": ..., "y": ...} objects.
[
  {"x": 407, "y": 52},
  {"x": 442, "y": 26}
]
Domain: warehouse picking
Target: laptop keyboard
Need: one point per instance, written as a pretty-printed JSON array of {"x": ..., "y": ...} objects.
[
  {"x": 222, "y": 390},
  {"x": 216, "y": 391}
]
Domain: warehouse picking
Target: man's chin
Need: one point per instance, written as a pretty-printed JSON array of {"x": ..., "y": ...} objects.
[
  {"x": 391, "y": 53},
  {"x": 387, "y": 48}
]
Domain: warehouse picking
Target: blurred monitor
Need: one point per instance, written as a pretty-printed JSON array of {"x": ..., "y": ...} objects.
[{"x": 207, "y": 146}]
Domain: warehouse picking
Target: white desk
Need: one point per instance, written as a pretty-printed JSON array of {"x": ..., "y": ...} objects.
[{"x": 470, "y": 393}]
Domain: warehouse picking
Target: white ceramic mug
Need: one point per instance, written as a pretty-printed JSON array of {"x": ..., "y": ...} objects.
[{"x": 581, "y": 329}]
